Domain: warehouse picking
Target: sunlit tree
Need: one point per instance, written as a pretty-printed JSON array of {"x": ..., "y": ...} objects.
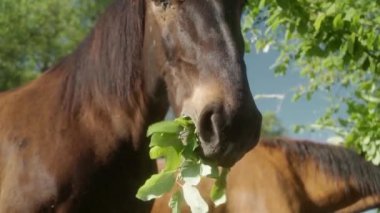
[
  {"x": 336, "y": 46},
  {"x": 35, "y": 34}
]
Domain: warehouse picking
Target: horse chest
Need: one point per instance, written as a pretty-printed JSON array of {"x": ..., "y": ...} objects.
[{"x": 26, "y": 184}]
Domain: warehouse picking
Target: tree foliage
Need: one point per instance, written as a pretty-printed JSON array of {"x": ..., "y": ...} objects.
[
  {"x": 336, "y": 46},
  {"x": 271, "y": 126},
  {"x": 33, "y": 35}
]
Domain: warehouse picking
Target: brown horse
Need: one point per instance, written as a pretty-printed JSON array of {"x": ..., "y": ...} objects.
[
  {"x": 282, "y": 175},
  {"x": 73, "y": 140}
]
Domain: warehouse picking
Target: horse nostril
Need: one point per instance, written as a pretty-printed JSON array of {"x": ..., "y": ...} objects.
[{"x": 210, "y": 124}]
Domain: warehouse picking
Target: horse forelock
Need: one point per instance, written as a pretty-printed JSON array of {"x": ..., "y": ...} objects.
[
  {"x": 106, "y": 68},
  {"x": 338, "y": 162}
]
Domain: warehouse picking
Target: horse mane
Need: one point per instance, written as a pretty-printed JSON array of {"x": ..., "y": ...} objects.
[
  {"x": 337, "y": 161},
  {"x": 107, "y": 65}
]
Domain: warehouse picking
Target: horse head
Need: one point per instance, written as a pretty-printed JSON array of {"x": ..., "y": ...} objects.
[{"x": 196, "y": 48}]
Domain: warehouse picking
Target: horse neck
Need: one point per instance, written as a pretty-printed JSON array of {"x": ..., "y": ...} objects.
[
  {"x": 107, "y": 64},
  {"x": 363, "y": 192},
  {"x": 105, "y": 85},
  {"x": 362, "y": 204},
  {"x": 335, "y": 193},
  {"x": 339, "y": 181}
]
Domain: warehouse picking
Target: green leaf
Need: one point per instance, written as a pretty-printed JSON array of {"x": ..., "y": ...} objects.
[
  {"x": 192, "y": 142},
  {"x": 376, "y": 159},
  {"x": 214, "y": 172},
  {"x": 331, "y": 10},
  {"x": 218, "y": 193},
  {"x": 188, "y": 153},
  {"x": 194, "y": 199},
  {"x": 172, "y": 157},
  {"x": 190, "y": 172},
  {"x": 206, "y": 170},
  {"x": 164, "y": 140},
  {"x": 366, "y": 140},
  {"x": 156, "y": 152},
  {"x": 370, "y": 98},
  {"x": 351, "y": 43},
  {"x": 338, "y": 22},
  {"x": 247, "y": 46},
  {"x": 156, "y": 186},
  {"x": 285, "y": 4},
  {"x": 260, "y": 44},
  {"x": 175, "y": 202},
  {"x": 164, "y": 127},
  {"x": 185, "y": 122},
  {"x": 319, "y": 20},
  {"x": 349, "y": 14},
  {"x": 262, "y": 4}
]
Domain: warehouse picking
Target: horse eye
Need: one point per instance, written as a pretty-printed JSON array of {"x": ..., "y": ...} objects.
[{"x": 163, "y": 3}]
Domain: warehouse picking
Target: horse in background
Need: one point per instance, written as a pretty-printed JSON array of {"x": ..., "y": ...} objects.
[
  {"x": 74, "y": 140},
  {"x": 301, "y": 176},
  {"x": 284, "y": 175}
]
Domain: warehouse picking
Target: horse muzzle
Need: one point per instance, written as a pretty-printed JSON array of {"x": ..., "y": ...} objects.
[{"x": 225, "y": 137}]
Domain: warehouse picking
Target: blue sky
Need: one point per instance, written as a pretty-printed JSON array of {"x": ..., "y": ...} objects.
[{"x": 263, "y": 81}]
